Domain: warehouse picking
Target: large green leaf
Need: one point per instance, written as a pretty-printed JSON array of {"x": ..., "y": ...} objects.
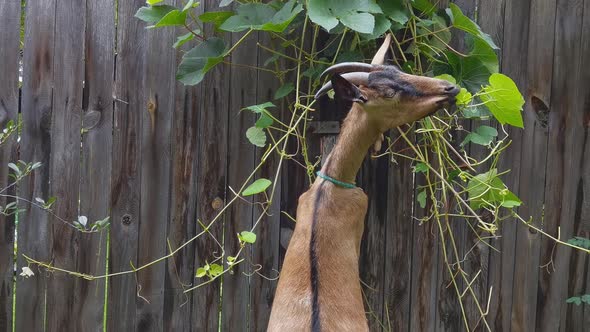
[
  {"x": 395, "y": 10},
  {"x": 217, "y": 18},
  {"x": 464, "y": 23},
  {"x": 256, "y": 136},
  {"x": 482, "y": 135},
  {"x": 260, "y": 16},
  {"x": 469, "y": 71},
  {"x": 153, "y": 14},
  {"x": 504, "y": 100},
  {"x": 356, "y": 15},
  {"x": 173, "y": 18},
  {"x": 488, "y": 188},
  {"x": 257, "y": 187},
  {"x": 200, "y": 60}
]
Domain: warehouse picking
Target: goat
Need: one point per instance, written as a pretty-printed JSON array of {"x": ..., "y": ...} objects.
[{"x": 319, "y": 287}]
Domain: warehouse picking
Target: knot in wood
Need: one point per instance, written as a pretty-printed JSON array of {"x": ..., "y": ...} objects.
[
  {"x": 217, "y": 203},
  {"x": 126, "y": 220}
]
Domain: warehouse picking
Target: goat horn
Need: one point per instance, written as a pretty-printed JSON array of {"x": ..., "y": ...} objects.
[
  {"x": 356, "y": 78},
  {"x": 347, "y": 67},
  {"x": 379, "y": 57}
]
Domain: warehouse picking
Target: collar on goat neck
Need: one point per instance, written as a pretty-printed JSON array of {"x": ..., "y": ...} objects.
[{"x": 358, "y": 133}]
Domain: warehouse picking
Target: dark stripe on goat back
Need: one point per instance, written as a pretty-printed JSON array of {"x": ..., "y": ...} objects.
[{"x": 313, "y": 259}]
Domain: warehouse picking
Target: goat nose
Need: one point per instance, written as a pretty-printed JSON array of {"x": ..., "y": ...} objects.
[{"x": 452, "y": 90}]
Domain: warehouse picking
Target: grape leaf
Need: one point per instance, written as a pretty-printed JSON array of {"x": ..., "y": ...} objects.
[{"x": 257, "y": 187}]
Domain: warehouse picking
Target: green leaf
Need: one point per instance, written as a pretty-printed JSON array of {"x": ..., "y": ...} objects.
[
  {"x": 488, "y": 188},
  {"x": 173, "y": 18},
  {"x": 181, "y": 40},
  {"x": 200, "y": 60},
  {"x": 580, "y": 242},
  {"x": 504, "y": 100},
  {"x": 360, "y": 22},
  {"x": 215, "y": 270},
  {"x": 351, "y": 13},
  {"x": 420, "y": 168},
  {"x": 483, "y": 135},
  {"x": 469, "y": 71},
  {"x": 257, "y": 187},
  {"x": 248, "y": 237},
  {"x": 190, "y": 4},
  {"x": 424, "y": 6},
  {"x": 464, "y": 23},
  {"x": 264, "y": 121},
  {"x": 201, "y": 272},
  {"x": 256, "y": 136},
  {"x": 14, "y": 168},
  {"x": 260, "y": 107},
  {"x": 224, "y": 3},
  {"x": 217, "y": 18},
  {"x": 481, "y": 50},
  {"x": 153, "y": 2},
  {"x": 394, "y": 10},
  {"x": 260, "y": 16},
  {"x": 422, "y": 198},
  {"x": 575, "y": 300},
  {"x": 464, "y": 97},
  {"x": 153, "y": 14},
  {"x": 382, "y": 24},
  {"x": 284, "y": 90}
]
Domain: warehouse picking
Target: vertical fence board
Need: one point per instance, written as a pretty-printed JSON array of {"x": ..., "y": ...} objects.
[
  {"x": 240, "y": 160},
  {"x": 34, "y": 227},
  {"x": 578, "y": 317},
  {"x": 180, "y": 272},
  {"x": 9, "y": 103},
  {"x": 266, "y": 251},
  {"x": 374, "y": 179},
  {"x": 516, "y": 18},
  {"x": 564, "y": 161},
  {"x": 95, "y": 173},
  {"x": 398, "y": 243},
  {"x": 533, "y": 152},
  {"x": 156, "y": 109},
  {"x": 126, "y": 173},
  {"x": 211, "y": 177}
]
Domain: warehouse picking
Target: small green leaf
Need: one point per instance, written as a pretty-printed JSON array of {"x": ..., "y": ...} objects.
[
  {"x": 201, "y": 272},
  {"x": 483, "y": 135},
  {"x": 420, "y": 168},
  {"x": 487, "y": 188},
  {"x": 217, "y": 18},
  {"x": 153, "y": 2},
  {"x": 215, "y": 270},
  {"x": 422, "y": 198},
  {"x": 575, "y": 300},
  {"x": 173, "y": 18},
  {"x": 190, "y": 4},
  {"x": 284, "y": 90},
  {"x": 260, "y": 107},
  {"x": 504, "y": 100},
  {"x": 580, "y": 242},
  {"x": 181, "y": 40},
  {"x": 224, "y": 3},
  {"x": 464, "y": 97},
  {"x": 248, "y": 237},
  {"x": 231, "y": 259},
  {"x": 257, "y": 187},
  {"x": 153, "y": 14},
  {"x": 264, "y": 121},
  {"x": 14, "y": 168},
  {"x": 256, "y": 136}
]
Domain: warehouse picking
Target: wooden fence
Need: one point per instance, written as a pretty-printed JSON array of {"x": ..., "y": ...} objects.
[{"x": 119, "y": 137}]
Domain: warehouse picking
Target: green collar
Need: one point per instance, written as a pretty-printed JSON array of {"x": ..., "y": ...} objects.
[{"x": 336, "y": 182}]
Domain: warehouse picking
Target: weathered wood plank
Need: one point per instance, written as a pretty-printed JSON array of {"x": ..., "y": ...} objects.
[
  {"x": 398, "y": 243},
  {"x": 155, "y": 110},
  {"x": 126, "y": 172},
  {"x": 95, "y": 172},
  {"x": 374, "y": 181},
  {"x": 183, "y": 203},
  {"x": 533, "y": 143},
  {"x": 240, "y": 161},
  {"x": 578, "y": 317},
  {"x": 10, "y": 12},
  {"x": 501, "y": 270},
  {"x": 564, "y": 162},
  {"x": 266, "y": 251},
  {"x": 34, "y": 228},
  {"x": 211, "y": 177}
]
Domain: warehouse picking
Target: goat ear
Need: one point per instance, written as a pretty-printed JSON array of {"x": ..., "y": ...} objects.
[{"x": 347, "y": 91}]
